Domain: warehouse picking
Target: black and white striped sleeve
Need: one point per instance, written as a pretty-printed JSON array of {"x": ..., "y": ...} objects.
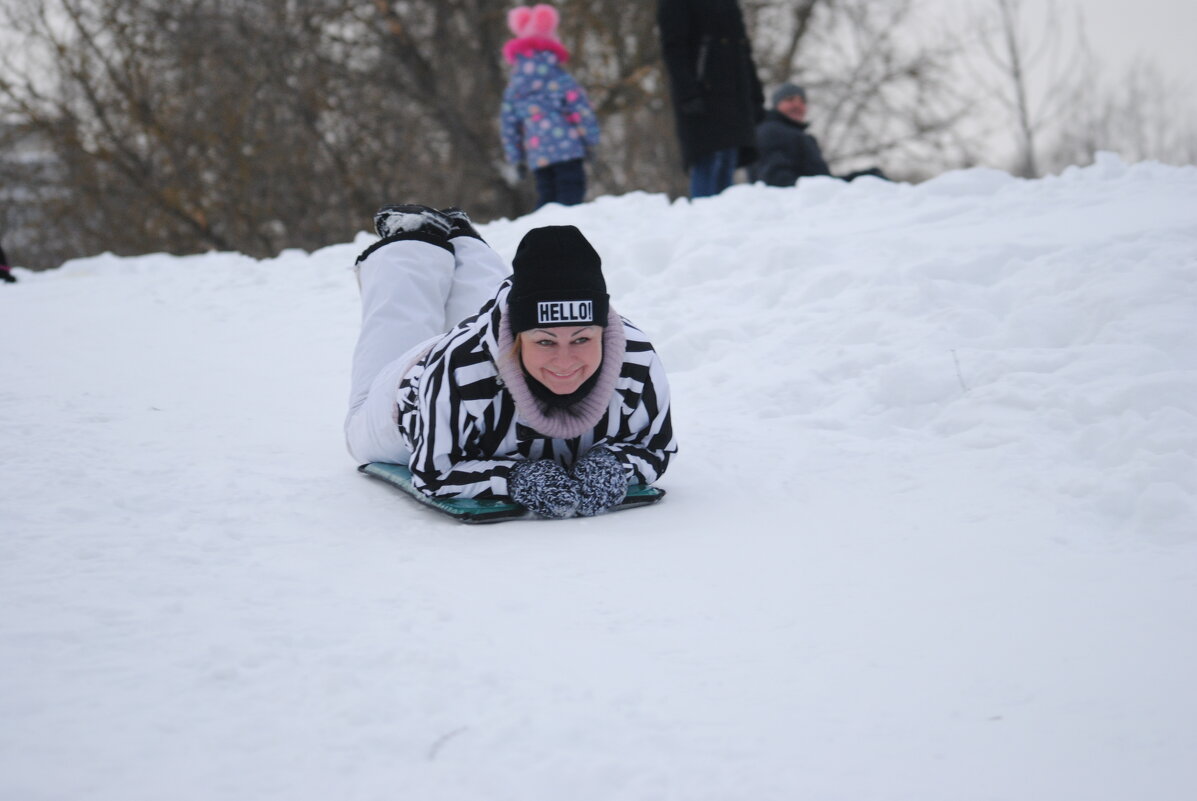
[
  {"x": 445, "y": 459},
  {"x": 644, "y": 440}
]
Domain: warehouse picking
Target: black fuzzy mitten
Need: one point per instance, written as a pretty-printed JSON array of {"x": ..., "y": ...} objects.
[
  {"x": 602, "y": 479},
  {"x": 545, "y": 488}
]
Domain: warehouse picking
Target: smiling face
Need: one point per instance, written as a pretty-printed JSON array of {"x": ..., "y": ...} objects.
[
  {"x": 793, "y": 107},
  {"x": 562, "y": 358}
]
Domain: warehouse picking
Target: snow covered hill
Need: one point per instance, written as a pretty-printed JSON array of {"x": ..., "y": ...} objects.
[{"x": 931, "y": 533}]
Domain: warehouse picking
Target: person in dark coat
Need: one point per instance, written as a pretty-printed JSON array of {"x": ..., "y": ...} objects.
[
  {"x": 787, "y": 151},
  {"x": 717, "y": 96},
  {"x": 6, "y": 274}
]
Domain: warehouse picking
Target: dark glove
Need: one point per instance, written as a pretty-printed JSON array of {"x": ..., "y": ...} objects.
[
  {"x": 693, "y": 105},
  {"x": 602, "y": 479},
  {"x": 6, "y": 276},
  {"x": 545, "y": 488}
]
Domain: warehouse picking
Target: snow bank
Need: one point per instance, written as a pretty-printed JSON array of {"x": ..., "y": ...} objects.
[{"x": 930, "y": 533}]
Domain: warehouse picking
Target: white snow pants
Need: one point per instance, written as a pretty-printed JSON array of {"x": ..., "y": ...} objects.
[{"x": 412, "y": 293}]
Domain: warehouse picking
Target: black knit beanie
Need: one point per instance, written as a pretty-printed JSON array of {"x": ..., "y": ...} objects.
[{"x": 558, "y": 280}]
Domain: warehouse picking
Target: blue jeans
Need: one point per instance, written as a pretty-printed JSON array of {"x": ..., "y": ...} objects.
[
  {"x": 563, "y": 182},
  {"x": 713, "y": 173}
]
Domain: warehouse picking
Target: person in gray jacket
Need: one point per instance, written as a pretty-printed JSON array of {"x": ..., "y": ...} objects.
[{"x": 787, "y": 150}]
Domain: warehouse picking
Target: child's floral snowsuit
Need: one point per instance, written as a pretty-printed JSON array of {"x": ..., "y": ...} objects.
[{"x": 546, "y": 117}]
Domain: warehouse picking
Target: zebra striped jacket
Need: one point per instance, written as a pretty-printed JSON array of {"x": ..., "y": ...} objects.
[{"x": 467, "y": 415}]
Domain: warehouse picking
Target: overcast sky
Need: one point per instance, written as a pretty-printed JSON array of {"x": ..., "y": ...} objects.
[{"x": 1163, "y": 30}]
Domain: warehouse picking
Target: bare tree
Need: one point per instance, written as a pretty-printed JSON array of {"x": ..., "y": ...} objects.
[
  {"x": 615, "y": 55},
  {"x": 1143, "y": 115},
  {"x": 28, "y": 179},
  {"x": 192, "y": 124},
  {"x": 1037, "y": 78},
  {"x": 185, "y": 126},
  {"x": 452, "y": 138},
  {"x": 878, "y": 91},
  {"x": 617, "y": 58}
]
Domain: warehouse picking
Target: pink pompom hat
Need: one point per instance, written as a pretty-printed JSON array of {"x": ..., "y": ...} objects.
[{"x": 535, "y": 29}]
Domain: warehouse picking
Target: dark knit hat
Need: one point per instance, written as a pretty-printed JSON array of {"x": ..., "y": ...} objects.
[
  {"x": 787, "y": 90},
  {"x": 558, "y": 280}
]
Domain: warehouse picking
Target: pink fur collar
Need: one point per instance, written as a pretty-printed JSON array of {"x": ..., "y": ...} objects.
[
  {"x": 582, "y": 416},
  {"x": 528, "y": 45}
]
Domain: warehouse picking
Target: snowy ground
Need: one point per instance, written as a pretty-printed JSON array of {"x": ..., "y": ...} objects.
[{"x": 931, "y": 535}]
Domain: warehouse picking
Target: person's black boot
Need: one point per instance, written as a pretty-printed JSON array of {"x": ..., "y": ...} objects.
[
  {"x": 462, "y": 225},
  {"x": 410, "y": 218},
  {"x": 409, "y": 221},
  {"x": 6, "y": 276}
]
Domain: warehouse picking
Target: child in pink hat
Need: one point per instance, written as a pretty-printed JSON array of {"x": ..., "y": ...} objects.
[{"x": 546, "y": 120}]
